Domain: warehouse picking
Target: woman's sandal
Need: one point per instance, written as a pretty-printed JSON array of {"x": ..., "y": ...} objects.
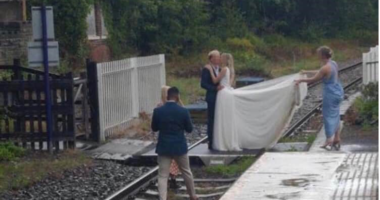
[
  {"x": 336, "y": 145},
  {"x": 327, "y": 147}
]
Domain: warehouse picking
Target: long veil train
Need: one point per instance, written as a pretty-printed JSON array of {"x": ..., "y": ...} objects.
[{"x": 255, "y": 117}]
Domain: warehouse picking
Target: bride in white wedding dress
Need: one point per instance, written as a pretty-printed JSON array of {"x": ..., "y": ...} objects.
[
  {"x": 225, "y": 134},
  {"x": 255, "y": 116}
]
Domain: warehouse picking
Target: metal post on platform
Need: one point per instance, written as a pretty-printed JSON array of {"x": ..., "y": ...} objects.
[{"x": 47, "y": 79}]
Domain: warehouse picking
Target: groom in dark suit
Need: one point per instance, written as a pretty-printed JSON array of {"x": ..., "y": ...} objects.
[
  {"x": 212, "y": 90},
  {"x": 172, "y": 120}
]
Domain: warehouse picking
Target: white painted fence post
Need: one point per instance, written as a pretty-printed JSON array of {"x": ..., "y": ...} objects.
[
  {"x": 102, "y": 137},
  {"x": 163, "y": 71},
  {"x": 370, "y": 69},
  {"x": 135, "y": 87},
  {"x": 377, "y": 64},
  {"x": 370, "y": 66}
]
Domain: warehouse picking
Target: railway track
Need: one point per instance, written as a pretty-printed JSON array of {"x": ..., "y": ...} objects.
[
  {"x": 145, "y": 186},
  {"x": 210, "y": 189}
]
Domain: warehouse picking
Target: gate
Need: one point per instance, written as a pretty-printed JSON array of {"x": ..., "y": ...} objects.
[{"x": 22, "y": 108}]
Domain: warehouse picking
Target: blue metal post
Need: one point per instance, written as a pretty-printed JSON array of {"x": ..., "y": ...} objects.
[{"x": 47, "y": 79}]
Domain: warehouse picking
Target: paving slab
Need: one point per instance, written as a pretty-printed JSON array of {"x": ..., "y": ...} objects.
[
  {"x": 290, "y": 146},
  {"x": 210, "y": 157},
  {"x": 293, "y": 175},
  {"x": 202, "y": 150},
  {"x": 348, "y": 174},
  {"x": 357, "y": 177}
]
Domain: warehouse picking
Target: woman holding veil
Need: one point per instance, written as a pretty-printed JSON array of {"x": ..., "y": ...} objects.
[{"x": 332, "y": 96}]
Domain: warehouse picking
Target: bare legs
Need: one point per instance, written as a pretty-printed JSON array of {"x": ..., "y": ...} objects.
[
  {"x": 333, "y": 141},
  {"x": 336, "y": 143},
  {"x": 328, "y": 144}
]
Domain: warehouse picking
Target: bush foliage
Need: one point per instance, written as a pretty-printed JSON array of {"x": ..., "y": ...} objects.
[
  {"x": 187, "y": 27},
  {"x": 368, "y": 105},
  {"x": 183, "y": 26},
  {"x": 9, "y": 151}
]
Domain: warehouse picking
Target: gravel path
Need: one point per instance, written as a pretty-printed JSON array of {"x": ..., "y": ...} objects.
[{"x": 93, "y": 182}]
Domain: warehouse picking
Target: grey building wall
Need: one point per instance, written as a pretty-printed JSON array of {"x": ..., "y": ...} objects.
[
  {"x": 14, "y": 38},
  {"x": 10, "y": 11}
]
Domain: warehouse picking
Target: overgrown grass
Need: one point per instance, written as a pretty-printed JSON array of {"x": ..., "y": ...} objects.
[
  {"x": 34, "y": 167},
  {"x": 231, "y": 170},
  {"x": 10, "y": 152}
]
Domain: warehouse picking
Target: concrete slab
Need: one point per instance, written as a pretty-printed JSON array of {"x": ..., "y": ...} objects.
[
  {"x": 198, "y": 106},
  {"x": 291, "y": 176},
  {"x": 202, "y": 150},
  {"x": 290, "y": 146},
  {"x": 120, "y": 149},
  {"x": 217, "y": 160},
  {"x": 202, "y": 154}
]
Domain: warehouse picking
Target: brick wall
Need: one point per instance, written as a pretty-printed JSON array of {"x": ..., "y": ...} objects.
[
  {"x": 10, "y": 11},
  {"x": 99, "y": 51},
  {"x": 14, "y": 38}
]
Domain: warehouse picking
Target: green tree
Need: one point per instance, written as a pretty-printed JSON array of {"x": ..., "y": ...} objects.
[{"x": 150, "y": 26}]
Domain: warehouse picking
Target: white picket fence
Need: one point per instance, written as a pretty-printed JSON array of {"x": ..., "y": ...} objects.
[
  {"x": 126, "y": 88},
  {"x": 371, "y": 65}
]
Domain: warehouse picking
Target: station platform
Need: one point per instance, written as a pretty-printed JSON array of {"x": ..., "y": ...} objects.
[
  {"x": 351, "y": 173},
  {"x": 309, "y": 176},
  {"x": 202, "y": 150}
]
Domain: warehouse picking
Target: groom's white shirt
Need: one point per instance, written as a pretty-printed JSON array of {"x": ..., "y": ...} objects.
[{"x": 216, "y": 69}]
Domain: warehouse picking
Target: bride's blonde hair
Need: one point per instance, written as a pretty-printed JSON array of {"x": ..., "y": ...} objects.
[
  {"x": 230, "y": 64},
  {"x": 164, "y": 95}
]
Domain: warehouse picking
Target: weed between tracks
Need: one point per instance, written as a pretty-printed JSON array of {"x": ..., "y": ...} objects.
[{"x": 235, "y": 169}]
